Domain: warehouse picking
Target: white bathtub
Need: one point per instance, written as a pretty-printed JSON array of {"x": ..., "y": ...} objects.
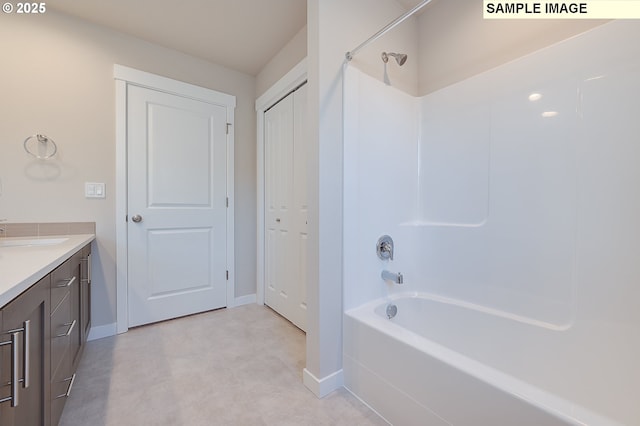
[{"x": 440, "y": 362}]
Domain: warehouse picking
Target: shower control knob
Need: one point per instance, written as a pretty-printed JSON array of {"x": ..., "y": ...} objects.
[
  {"x": 136, "y": 218},
  {"x": 384, "y": 248}
]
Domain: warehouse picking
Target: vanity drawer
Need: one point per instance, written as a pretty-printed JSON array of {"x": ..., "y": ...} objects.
[
  {"x": 61, "y": 329},
  {"x": 61, "y": 387},
  {"x": 62, "y": 278}
]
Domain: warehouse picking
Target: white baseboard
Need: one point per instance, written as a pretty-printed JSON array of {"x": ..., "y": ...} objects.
[
  {"x": 100, "y": 331},
  {"x": 245, "y": 300},
  {"x": 326, "y": 385}
]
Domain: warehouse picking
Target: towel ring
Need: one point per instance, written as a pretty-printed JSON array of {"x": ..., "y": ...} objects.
[{"x": 44, "y": 140}]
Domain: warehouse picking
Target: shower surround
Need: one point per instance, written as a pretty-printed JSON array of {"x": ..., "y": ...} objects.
[{"x": 512, "y": 198}]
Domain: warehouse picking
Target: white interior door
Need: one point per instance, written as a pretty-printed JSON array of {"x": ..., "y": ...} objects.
[
  {"x": 177, "y": 237},
  {"x": 286, "y": 207}
]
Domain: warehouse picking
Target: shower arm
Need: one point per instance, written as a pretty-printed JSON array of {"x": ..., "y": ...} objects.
[{"x": 350, "y": 54}]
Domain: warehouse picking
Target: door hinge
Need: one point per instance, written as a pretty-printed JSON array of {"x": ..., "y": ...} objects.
[
  {"x": 228, "y": 125},
  {"x": 227, "y": 275},
  {"x": 227, "y": 201}
]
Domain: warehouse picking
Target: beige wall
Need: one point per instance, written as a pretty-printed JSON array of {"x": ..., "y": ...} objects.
[
  {"x": 455, "y": 42},
  {"x": 288, "y": 57},
  {"x": 335, "y": 26},
  {"x": 401, "y": 39},
  {"x": 56, "y": 78}
]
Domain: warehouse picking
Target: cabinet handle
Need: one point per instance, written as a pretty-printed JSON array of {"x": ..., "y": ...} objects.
[
  {"x": 68, "y": 284},
  {"x": 89, "y": 271},
  {"x": 71, "y": 380},
  {"x": 71, "y": 325},
  {"x": 25, "y": 330},
  {"x": 26, "y": 353},
  {"x": 14, "y": 369}
]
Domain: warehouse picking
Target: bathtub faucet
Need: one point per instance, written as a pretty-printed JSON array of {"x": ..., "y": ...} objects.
[{"x": 396, "y": 278}]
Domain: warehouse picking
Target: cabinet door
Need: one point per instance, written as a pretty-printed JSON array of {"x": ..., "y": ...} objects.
[{"x": 25, "y": 317}]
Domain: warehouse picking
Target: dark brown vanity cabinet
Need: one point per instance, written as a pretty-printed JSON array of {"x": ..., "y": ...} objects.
[
  {"x": 43, "y": 335},
  {"x": 24, "y": 372}
]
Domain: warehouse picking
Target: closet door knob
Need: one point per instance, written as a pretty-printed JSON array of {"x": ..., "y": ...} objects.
[{"x": 136, "y": 218}]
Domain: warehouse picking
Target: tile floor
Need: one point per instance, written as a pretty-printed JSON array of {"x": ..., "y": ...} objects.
[{"x": 240, "y": 366}]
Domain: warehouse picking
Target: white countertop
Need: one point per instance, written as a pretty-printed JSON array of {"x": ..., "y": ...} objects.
[{"x": 23, "y": 266}]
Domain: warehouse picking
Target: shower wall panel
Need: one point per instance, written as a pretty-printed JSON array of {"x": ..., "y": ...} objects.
[
  {"x": 521, "y": 194},
  {"x": 514, "y": 192},
  {"x": 507, "y": 175},
  {"x": 380, "y": 178}
]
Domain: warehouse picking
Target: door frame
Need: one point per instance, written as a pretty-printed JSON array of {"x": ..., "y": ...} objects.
[
  {"x": 273, "y": 95},
  {"x": 125, "y": 76}
]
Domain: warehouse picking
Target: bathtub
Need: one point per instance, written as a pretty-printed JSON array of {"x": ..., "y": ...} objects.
[{"x": 443, "y": 362}]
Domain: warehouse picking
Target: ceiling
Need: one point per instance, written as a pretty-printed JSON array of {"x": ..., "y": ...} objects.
[{"x": 239, "y": 34}]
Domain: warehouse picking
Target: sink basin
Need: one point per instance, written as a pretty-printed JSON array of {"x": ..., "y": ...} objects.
[{"x": 31, "y": 242}]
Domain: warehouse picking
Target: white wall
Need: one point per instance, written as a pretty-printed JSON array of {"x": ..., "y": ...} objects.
[
  {"x": 288, "y": 57},
  {"x": 56, "y": 78}
]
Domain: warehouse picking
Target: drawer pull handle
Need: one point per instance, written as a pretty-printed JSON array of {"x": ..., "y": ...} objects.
[
  {"x": 14, "y": 369},
  {"x": 25, "y": 356},
  {"x": 68, "y": 392},
  {"x": 88, "y": 260},
  {"x": 14, "y": 361},
  {"x": 68, "y": 333},
  {"x": 68, "y": 284}
]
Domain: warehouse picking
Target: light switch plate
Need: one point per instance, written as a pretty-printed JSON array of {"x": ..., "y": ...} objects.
[{"x": 94, "y": 190}]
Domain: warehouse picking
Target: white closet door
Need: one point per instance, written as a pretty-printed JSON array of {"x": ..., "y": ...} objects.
[
  {"x": 177, "y": 234},
  {"x": 286, "y": 207}
]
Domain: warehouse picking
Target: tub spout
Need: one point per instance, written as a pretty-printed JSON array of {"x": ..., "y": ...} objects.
[{"x": 396, "y": 278}]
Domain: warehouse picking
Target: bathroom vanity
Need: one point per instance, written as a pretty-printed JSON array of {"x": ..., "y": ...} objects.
[{"x": 45, "y": 317}]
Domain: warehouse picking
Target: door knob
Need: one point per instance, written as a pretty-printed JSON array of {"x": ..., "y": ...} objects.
[
  {"x": 136, "y": 218},
  {"x": 278, "y": 220}
]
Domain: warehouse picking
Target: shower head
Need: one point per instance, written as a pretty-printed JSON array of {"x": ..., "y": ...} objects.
[{"x": 401, "y": 58}]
